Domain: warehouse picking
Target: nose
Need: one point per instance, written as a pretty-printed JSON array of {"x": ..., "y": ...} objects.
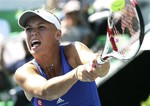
[{"x": 34, "y": 32}]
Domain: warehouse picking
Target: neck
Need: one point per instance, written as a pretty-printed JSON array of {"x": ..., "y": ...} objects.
[
  {"x": 53, "y": 69},
  {"x": 50, "y": 64}
]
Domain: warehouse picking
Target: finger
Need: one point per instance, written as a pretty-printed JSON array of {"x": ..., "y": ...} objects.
[
  {"x": 93, "y": 71},
  {"x": 91, "y": 74},
  {"x": 94, "y": 63},
  {"x": 83, "y": 74}
]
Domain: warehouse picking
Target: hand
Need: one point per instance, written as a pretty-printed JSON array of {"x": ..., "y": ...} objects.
[
  {"x": 85, "y": 73},
  {"x": 101, "y": 69},
  {"x": 89, "y": 72}
]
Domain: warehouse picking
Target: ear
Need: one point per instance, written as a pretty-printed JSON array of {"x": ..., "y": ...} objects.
[{"x": 58, "y": 34}]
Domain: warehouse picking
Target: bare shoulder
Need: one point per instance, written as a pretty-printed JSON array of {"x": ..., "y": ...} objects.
[
  {"x": 70, "y": 51},
  {"x": 78, "y": 52},
  {"x": 76, "y": 46}
]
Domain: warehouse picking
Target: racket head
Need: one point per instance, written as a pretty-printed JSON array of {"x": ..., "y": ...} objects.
[{"x": 125, "y": 32}]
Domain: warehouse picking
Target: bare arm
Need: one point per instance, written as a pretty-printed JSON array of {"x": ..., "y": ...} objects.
[
  {"x": 88, "y": 58},
  {"x": 37, "y": 86}
]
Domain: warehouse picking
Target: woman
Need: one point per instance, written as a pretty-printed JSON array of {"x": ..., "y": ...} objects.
[{"x": 58, "y": 75}]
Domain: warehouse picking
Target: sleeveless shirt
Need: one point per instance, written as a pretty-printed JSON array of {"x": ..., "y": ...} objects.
[{"x": 80, "y": 94}]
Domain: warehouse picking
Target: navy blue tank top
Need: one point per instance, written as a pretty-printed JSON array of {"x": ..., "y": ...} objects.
[{"x": 81, "y": 93}]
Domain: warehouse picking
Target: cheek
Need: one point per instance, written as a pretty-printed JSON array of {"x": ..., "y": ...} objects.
[
  {"x": 28, "y": 46},
  {"x": 27, "y": 42},
  {"x": 48, "y": 36}
]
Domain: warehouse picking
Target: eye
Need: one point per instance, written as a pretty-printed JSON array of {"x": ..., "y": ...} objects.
[
  {"x": 41, "y": 27},
  {"x": 28, "y": 29}
]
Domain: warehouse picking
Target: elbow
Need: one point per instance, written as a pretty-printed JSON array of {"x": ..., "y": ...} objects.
[{"x": 51, "y": 94}]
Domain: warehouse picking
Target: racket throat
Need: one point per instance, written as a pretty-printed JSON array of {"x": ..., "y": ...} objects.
[
  {"x": 102, "y": 60},
  {"x": 112, "y": 40}
]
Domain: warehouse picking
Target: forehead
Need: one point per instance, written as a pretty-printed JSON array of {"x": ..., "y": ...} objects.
[{"x": 35, "y": 19}]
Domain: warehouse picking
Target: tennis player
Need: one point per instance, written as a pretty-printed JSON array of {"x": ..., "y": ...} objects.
[{"x": 59, "y": 75}]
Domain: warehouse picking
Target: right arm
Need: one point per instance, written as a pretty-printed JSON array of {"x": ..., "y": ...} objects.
[{"x": 37, "y": 86}]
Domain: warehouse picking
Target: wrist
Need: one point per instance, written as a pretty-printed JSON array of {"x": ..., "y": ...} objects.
[{"x": 76, "y": 73}]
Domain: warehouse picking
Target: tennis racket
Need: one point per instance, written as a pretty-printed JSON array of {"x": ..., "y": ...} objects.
[{"x": 125, "y": 33}]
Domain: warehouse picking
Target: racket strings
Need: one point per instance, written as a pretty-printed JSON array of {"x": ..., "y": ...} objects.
[
  {"x": 127, "y": 21},
  {"x": 125, "y": 31},
  {"x": 123, "y": 43}
]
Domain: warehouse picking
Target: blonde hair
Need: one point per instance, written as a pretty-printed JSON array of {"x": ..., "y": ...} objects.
[{"x": 47, "y": 8}]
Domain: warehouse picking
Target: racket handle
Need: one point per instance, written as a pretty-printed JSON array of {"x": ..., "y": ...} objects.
[{"x": 100, "y": 61}]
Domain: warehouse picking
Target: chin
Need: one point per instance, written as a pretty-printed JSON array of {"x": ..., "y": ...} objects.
[{"x": 32, "y": 52}]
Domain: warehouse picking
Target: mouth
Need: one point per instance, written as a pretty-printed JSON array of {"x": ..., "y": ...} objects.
[{"x": 35, "y": 43}]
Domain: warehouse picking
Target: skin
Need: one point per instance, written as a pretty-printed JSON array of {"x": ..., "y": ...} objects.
[{"x": 47, "y": 53}]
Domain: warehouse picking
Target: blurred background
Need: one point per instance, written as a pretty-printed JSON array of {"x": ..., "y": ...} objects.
[{"x": 127, "y": 83}]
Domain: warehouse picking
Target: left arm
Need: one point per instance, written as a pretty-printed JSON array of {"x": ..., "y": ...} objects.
[{"x": 85, "y": 56}]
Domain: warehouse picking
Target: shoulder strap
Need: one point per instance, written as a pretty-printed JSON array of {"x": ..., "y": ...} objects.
[{"x": 39, "y": 68}]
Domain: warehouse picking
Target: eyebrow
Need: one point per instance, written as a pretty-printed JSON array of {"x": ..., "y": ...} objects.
[{"x": 28, "y": 25}]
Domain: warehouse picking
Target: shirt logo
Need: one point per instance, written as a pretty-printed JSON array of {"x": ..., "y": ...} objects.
[
  {"x": 60, "y": 100},
  {"x": 40, "y": 103}
]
